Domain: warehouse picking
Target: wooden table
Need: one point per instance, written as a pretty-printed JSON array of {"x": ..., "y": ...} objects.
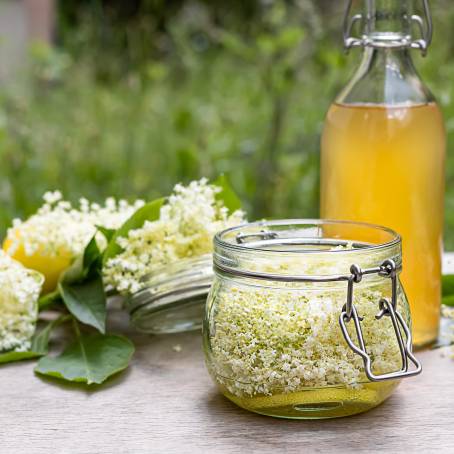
[{"x": 166, "y": 403}]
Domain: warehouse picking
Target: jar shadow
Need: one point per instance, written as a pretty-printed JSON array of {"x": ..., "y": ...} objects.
[{"x": 238, "y": 427}]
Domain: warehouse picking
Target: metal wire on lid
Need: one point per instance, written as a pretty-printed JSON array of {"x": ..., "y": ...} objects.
[
  {"x": 423, "y": 24},
  {"x": 387, "y": 307}
]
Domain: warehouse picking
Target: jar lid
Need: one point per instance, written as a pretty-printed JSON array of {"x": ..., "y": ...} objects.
[{"x": 173, "y": 297}]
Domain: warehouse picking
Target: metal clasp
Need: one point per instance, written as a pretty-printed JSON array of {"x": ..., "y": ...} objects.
[
  {"x": 424, "y": 25},
  {"x": 387, "y": 309},
  {"x": 426, "y": 29},
  {"x": 349, "y": 22}
]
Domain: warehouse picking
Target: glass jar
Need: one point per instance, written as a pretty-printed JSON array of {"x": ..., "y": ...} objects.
[
  {"x": 173, "y": 297},
  {"x": 308, "y": 319}
]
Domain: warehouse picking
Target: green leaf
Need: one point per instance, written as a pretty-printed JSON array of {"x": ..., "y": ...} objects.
[
  {"x": 149, "y": 212},
  {"x": 227, "y": 195},
  {"x": 90, "y": 359},
  {"x": 39, "y": 346},
  {"x": 87, "y": 266},
  {"x": 82, "y": 290},
  {"x": 10, "y": 357},
  {"x": 40, "y": 341},
  {"x": 92, "y": 258},
  {"x": 447, "y": 284},
  {"x": 108, "y": 233},
  {"x": 75, "y": 273},
  {"x": 86, "y": 300},
  {"x": 448, "y": 300}
]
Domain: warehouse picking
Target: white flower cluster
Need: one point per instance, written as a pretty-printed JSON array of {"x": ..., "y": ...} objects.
[
  {"x": 20, "y": 289},
  {"x": 185, "y": 229},
  {"x": 58, "y": 228},
  {"x": 269, "y": 341}
]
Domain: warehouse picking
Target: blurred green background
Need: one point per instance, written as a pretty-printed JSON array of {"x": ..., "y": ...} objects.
[{"x": 135, "y": 96}]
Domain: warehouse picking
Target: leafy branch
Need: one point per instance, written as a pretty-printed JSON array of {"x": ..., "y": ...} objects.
[{"x": 80, "y": 298}]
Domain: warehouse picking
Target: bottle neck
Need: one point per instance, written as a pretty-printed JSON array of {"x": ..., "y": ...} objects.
[
  {"x": 387, "y": 22},
  {"x": 386, "y": 76}
]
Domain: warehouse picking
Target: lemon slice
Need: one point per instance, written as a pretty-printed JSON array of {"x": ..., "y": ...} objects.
[{"x": 50, "y": 265}]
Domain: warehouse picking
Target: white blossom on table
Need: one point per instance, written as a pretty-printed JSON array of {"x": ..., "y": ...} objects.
[
  {"x": 59, "y": 228},
  {"x": 20, "y": 289}
]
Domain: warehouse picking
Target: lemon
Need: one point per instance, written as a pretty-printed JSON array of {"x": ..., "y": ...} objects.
[{"x": 49, "y": 265}]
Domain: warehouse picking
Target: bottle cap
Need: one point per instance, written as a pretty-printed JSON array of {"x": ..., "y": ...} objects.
[{"x": 388, "y": 25}]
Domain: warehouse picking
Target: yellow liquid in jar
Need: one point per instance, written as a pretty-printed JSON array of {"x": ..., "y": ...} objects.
[
  {"x": 317, "y": 403},
  {"x": 385, "y": 165}
]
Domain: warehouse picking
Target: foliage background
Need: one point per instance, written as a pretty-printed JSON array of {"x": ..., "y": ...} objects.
[{"x": 137, "y": 95}]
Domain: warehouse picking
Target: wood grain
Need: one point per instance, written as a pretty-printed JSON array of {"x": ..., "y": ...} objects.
[{"x": 166, "y": 403}]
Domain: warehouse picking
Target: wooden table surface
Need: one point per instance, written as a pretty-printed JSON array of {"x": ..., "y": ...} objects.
[{"x": 166, "y": 403}]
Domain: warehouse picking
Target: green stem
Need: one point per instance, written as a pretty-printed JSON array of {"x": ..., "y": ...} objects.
[
  {"x": 111, "y": 292},
  {"x": 76, "y": 328},
  {"x": 268, "y": 170},
  {"x": 48, "y": 300},
  {"x": 62, "y": 319}
]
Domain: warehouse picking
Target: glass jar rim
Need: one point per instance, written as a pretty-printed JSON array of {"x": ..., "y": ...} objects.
[
  {"x": 305, "y": 250},
  {"x": 220, "y": 241}
]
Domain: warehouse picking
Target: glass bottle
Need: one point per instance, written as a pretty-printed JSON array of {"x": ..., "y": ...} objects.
[{"x": 383, "y": 150}]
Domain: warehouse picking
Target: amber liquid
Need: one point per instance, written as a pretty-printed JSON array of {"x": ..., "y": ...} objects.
[{"x": 385, "y": 165}]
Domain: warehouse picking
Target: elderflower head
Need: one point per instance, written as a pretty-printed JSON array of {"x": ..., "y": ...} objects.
[
  {"x": 185, "y": 229},
  {"x": 51, "y": 239},
  {"x": 20, "y": 289}
]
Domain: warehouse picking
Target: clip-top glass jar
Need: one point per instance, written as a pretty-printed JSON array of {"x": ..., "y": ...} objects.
[
  {"x": 172, "y": 298},
  {"x": 308, "y": 319}
]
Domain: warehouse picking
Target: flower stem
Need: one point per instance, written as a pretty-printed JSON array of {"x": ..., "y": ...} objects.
[{"x": 76, "y": 328}]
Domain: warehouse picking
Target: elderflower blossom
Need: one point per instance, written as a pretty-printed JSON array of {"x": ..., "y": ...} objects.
[
  {"x": 185, "y": 229},
  {"x": 18, "y": 304},
  {"x": 59, "y": 228},
  {"x": 266, "y": 342}
]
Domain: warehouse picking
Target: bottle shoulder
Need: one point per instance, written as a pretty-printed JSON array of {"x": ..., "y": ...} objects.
[{"x": 386, "y": 77}]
